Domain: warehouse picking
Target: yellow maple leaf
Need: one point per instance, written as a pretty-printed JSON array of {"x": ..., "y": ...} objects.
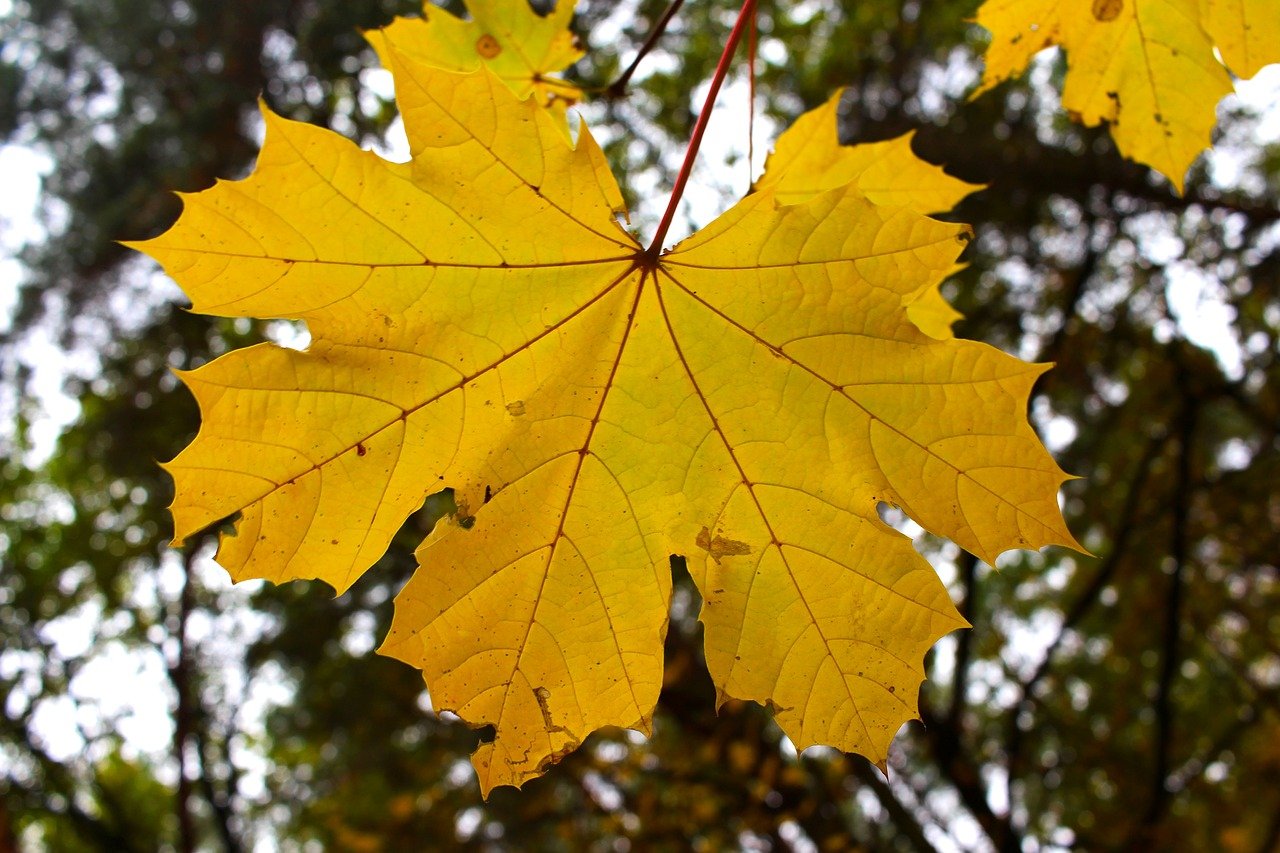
[
  {"x": 522, "y": 47},
  {"x": 1146, "y": 67},
  {"x": 481, "y": 321}
]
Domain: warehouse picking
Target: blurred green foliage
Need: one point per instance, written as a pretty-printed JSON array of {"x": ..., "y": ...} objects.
[{"x": 1125, "y": 701}]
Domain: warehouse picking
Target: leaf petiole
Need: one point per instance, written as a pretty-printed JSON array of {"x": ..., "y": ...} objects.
[{"x": 745, "y": 15}]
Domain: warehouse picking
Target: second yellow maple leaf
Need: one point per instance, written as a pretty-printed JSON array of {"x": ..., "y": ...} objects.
[{"x": 1146, "y": 67}]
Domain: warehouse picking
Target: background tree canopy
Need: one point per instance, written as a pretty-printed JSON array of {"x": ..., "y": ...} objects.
[{"x": 1128, "y": 700}]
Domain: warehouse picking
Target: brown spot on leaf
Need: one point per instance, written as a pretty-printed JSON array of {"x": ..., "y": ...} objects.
[
  {"x": 542, "y": 694},
  {"x": 487, "y": 46},
  {"x": 515, "y": 408},
  {"x": 1107, "y": 10},
  {"x": 719, "y": 546},
  {"x": 360, "y": 449}
]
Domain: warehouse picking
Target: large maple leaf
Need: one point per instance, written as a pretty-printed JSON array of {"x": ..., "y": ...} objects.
[
  {"x": 1147, "y": 67},
  {"x": 481, "y": 321}
]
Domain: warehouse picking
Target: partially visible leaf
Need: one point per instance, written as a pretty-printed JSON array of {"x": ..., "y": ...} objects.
[
  {"x": 1146, "y": 67},
  {"x": 522, "y": 47},
  {"x": 1247, "y": 32}
]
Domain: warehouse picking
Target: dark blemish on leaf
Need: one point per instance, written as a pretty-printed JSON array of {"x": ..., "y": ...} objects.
[
  {"x": 488, "y": 494},
  {"x": 515, "y": 408},
  {"x": 1107, "y": 10},
  {"x": 360, "y": 449},
  {"x": 464, "y": 517},
  {"x": 487, "y": 46},
  {"x": 892, "y": 689},
  {"x": 542, "y": 694},
  {"x": 333, "y": 541},
  {"x": 719, "y": 546}
]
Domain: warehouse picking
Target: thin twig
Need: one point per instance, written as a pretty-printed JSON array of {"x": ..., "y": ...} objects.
[
  {"x": 618, "y": 88},
  {"x": 220, "y": 802},
  {"x": 1160, "y": 789},
  {"x": 903, "y": 820},
  {"x": 968, "y": 565},
  {"x": 959, "y": 768},
  {"x": 180, "y": 675},
  {"x": 1126, "y": 524}
]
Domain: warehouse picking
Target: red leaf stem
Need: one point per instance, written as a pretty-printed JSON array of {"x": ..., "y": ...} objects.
[{"x": 745, "y": 15}]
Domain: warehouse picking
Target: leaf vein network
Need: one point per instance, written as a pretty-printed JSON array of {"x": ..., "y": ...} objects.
[
  {"x": 773, "y": 536},
  {"x": 444, "y": 109},
  {"x": 925, "y": 449}
]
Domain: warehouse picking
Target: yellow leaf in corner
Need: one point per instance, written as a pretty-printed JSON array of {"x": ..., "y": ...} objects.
[
  {"x": 1247, "y": 32},
  {"x": 522, "y": 47},
  {"x": 480, "y": 321},
  {"x": 1146, "y": 67}
]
